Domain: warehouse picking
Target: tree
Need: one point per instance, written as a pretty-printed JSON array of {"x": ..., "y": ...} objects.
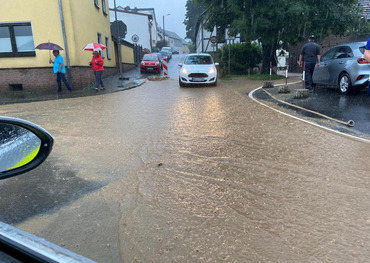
[
  {"x": 193, "y": 13},
  {"x": 288, "y": 20},
  {"x": 161, "y": 43}
]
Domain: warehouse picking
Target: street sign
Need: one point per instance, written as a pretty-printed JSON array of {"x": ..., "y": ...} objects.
[
  {"x": 118, "y": 27},
  {"x": 227, "y": 34},
  {"x": 135, "y": 38},
  {"x": 213, "y": 39}
]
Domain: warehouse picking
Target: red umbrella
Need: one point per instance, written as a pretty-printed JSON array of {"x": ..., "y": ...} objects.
[{"x": 92, "y": 46}]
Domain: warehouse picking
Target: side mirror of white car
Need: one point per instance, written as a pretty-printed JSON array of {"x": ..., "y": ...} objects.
[
  {"x": 217, "y": 64},
  {"x": 180, "y": 64}
]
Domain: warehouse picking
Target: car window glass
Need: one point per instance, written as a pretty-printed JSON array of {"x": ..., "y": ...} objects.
[
  {"x": 328, "y": 55},
  {"x": 343, "y": 52},
  {"x": 150, "y": 58},
  {"x": 362, "y": 49},
  {"x": 198, "y": 60}
]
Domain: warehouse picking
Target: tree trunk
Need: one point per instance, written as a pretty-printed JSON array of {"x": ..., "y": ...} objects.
[{"x": 268, "y": 52}]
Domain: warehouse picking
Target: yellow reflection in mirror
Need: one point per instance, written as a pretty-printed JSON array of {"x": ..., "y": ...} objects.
[{"x": 27, "y": 159}]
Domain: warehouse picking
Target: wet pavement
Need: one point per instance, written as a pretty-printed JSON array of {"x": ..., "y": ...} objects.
[
  {"x": 329, "y": 102},
  {"x": 167, "y": 174}
]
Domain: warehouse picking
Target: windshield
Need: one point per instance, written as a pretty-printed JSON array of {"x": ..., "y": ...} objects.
[
  {"x": 199, "y": 59},
  {"x": 218, "y": 151},
  {"x": 150, "y": 58}
]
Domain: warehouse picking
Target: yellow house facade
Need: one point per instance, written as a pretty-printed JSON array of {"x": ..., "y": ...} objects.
[{"x": 69, "y": 23}]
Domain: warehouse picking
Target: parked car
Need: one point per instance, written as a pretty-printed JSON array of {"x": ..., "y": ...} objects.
[
  {"x": 343, "y": 67},
  {"x": 160, "y": 58},
  {"x": 198, "y": 69},
  {"x": 169, "y": 50},
  {"x": 150, "y": 63},
  {"x": 165, "y": 54}
]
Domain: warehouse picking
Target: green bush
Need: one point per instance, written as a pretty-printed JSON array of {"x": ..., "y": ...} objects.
[{"x": 243, "y": 57}]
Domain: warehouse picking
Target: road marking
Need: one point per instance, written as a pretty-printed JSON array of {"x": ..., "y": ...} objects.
[{"x": 306, "y": 121}]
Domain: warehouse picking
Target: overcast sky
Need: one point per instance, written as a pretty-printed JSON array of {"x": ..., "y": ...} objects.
[{"x": 176, "y": 8}]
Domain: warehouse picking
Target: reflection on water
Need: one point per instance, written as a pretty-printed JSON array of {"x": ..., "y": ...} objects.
[{"x": 200, "y": 118}]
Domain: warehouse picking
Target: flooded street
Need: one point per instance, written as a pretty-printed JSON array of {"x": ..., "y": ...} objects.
[{"x": 167, "y": 174}]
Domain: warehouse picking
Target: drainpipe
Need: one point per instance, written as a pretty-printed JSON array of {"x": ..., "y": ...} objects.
[
  {"x": 118, "y": 42},
  {"x": 150, "y": 35},
  {"x": 69, "y": 73}
]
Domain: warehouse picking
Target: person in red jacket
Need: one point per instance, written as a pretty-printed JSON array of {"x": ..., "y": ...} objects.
[{"x": 97, "y": 64}]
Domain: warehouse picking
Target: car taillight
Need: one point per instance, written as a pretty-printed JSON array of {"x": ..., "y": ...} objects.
[{"x": 362, "y": 61}]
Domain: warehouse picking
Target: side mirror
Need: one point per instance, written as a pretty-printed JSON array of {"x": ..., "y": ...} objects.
[
  {"x": 23, "y": 146},
  {"x": 180, "y": 64},
  {"x": 217, "y": 64}
]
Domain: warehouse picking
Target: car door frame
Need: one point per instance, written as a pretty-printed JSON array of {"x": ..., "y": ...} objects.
[
  {"x": 337, "y": 65},
  {"x": 321, "y": 72}
]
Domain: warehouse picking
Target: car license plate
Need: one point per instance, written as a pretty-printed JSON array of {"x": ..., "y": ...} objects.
[
  {"x": 198, "y": 79},
  {"x": 149, "y": 68}
]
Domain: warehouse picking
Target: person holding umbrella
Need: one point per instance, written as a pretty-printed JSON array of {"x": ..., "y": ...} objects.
[
  {"x": 59, "y": 69},
  {"x": 97, "y": 65}
]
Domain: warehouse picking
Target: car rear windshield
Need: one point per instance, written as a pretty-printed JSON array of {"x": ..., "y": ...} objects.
[
  {"x": 362, "y": 49},
  {"x": 150, "y": 58},
  {"x": 196, "y": 60}
]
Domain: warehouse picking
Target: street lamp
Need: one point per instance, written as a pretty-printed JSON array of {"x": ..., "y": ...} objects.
[{"x": 164, "y": 36}]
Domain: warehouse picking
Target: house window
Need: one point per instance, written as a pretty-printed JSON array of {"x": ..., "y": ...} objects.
[
  {"x": 16, "y": 40},
  {"x": 100, "y": 42},
  {"x": 104, "y": 6},
  {"x": 107, "y": 49},
  {"x": 96, "y": 3}
]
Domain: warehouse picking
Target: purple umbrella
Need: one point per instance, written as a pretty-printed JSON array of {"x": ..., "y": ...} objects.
[{"x": 49, "y": 46}]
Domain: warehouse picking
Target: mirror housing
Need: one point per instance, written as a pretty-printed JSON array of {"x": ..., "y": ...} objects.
[
  {"x": 46, "y": 145},
  {"x": 180, "y": 64},
  {"x": 217, "y": 64}
]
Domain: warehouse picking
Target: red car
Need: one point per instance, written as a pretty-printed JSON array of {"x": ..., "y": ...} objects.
[{"x": 150, "y": 63}]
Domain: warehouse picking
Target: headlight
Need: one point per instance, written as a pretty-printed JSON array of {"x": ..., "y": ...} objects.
[
  {"x": 142, "y": 63},
  {"x": 156, "y": 63},
  {"x": 212, "y": 70},
  {"x": 184, "y": 70}
]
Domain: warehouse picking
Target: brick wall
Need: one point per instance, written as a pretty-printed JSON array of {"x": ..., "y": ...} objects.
[{"x": 45, "y": 79}]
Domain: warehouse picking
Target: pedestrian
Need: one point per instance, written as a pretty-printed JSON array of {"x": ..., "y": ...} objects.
[
  {"x": 97, "y": 64},
  {"x": 60, "y": 70},
  {"x": 310, "y": 55},
  {"x": 367, "y": 57}
]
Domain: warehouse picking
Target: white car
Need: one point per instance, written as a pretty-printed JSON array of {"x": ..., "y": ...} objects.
[{"x": 198, "y": 69}]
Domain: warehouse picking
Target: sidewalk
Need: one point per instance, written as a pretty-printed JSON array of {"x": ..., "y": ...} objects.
[{"x": 112, "y": 84}]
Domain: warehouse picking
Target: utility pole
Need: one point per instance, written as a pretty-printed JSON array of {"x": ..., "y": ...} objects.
[
  {"x": 118, "y": 41},
  {"x": 164, "y": 34}
]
